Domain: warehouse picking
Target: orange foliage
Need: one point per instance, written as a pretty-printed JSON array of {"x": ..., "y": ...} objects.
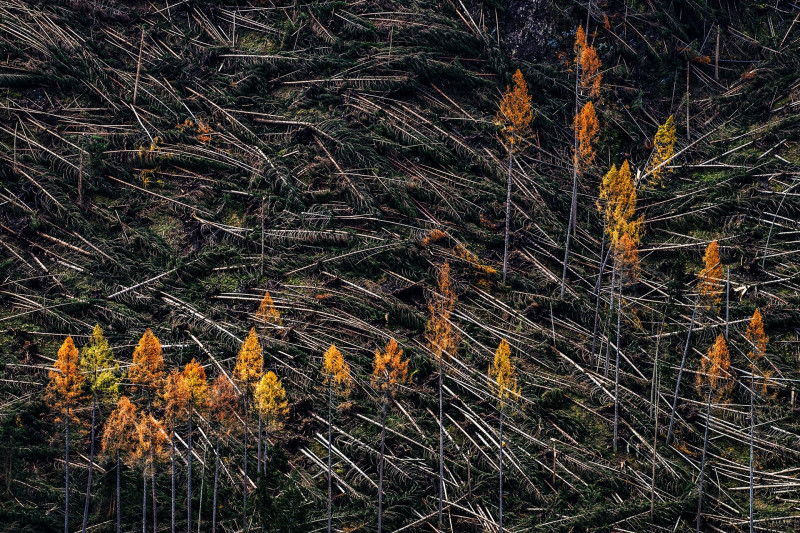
[
  {"x": 515, "y": 113},
  {"x": 503, "y": 375},
  {"x": 589, "y": 64},
  {"x": 442, "y": 339},
  {"x": 267, "y": 314},
  {"x": 714, "y": 373},
  {"x": 120, "y": 433},
  {"x": 710, "y": 278},
  {"x": 147, "y": 370},
  {"x": 433, "y": 236},
  {"x": 176, "y": 397},
  {"x": 626, "y": 257},
  {"x": 758, "y": 340},
  {"x": 65, "y": 388},
  {"x": 617, "y": 203},
  {"x": 194, "y": 375},
  {"x": 390, "y": 369},
  {"x": 152, "y": 441},
  {"x": 223, "y": 401},
  {"x": 474, "y": 260},
  {"x": 586, "y": 130}
]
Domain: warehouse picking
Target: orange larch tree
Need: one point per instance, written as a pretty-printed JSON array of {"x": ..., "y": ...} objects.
[
  {"x": 502, "y": 377},
  {"x": 389, "y": 372},
  {"x": 176, "y": 402},
  {"x": 223, "y": 404},
  {"x": 120, "y": 439},
  {"x": 152, "y": 439},
  {"x": 64, "y": 391},
  {"x": 146, "y": 374},
  {"x": 757, "y": 340},
  {"x": 585, "y": 128},
  {"x": 715, "y": 381},
  {"x": 514, "y": 118},
  {"x": 711, "y": 278},
  {"x": 267, "y": 314},
  {"x": 443, "y": 342},
  {"x": 336, "y": 374}
]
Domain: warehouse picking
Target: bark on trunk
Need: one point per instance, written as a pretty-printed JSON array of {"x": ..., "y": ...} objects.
[
  {"x": 508, "y": 214},
  {"x": 119, "y": 502},
  {"x": 616, "y": 369},
  {"x": 189, "y": 475},
  {"x": 172, "y": 476},
  {"x": 244, "y": 479},
  {"x": 501, "y": 469},
  {"x": 597, "y": 294},
  {"x": 441, "y": 445},
  {"x": 155, "y": 503},
  {"x": 380, "y": 466},
  {"x": 680, "y": 373},
  {"x": 611, "y": 314},
  {"x": 703, "y": 461},
  {"x": 330, "y": 453},
  {"x": 144, "y": 501},
  {"x": 91, "y": 467},
  {"x": 214, "y": 499},
  {"x": 66, "y": 477},
  {"x": 752, "y": 432}
]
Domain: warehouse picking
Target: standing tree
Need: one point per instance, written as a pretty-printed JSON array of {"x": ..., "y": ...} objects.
[
  {"x": 248, "y": 370},
  {"x": 64, "y": 391},
  {"x": 194, "y": 376},
  {"x": 176, "y": 398},
  {"x": 223, "y": 405},
  {"x": 102, "y": 376},
  {"x": 713, "y": 379},
  {"x": 389, "y": 371},
  {"x": 147, "y": 371},
  {"x": 337, "y": 377},
  {"x": 270, "y": 399},
  {"x": 267, "y": 314},
  {"x": 757, "y": 340},
  {"x": 443, "y": 343},
  {"x": 514, "y": 119},
  {"x": 149, "y": 452},
  {"x": 585, "y": 128},
  {"x": 711, "y": 278},
  {"x": 120, "y": 438},
  {"x": 663, "y": 150},
  {"x": 503, "y": 384}
]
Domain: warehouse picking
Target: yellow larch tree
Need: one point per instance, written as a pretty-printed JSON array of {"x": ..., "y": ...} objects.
[
  {"x": 336, "y": 375},
  {"x": 194, "y": 376},
  {"x": 248, "y": 370},
  {"x": 514, "y": 119},
  {"x": 711, "y": 278},
  {"x": 389, "y": 371},
  {"x": 64, "y": 392},
  {"x": 663, "y": 150},
  {"x": 502, "y": 380}
]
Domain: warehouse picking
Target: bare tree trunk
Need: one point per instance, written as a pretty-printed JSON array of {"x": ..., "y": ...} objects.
[
  {"x": 752, "y": 432},
  {"x": 91, "y": 467},
  {"x": 66, "y": 477},
  {"x": 119, "y": 502},
  {"x": 441, "y": 445},
  {"x": 258, "y": 450},
  {"x": 244, "y": 480},
  {"x": 155, "y": 503},
  {"x": 501, "y": 469},
  {"x": 172, "y": 476},
  {"x": 611, "y": 314},
  {"x": 330, "y": 453},
  {"x": 597, "y": 293},
  {"x": 616, "y": 369},
  {"x": 380, "y": 466},
  {"x": 655, "y": 446},
  {"x": 262, "y": 235},
  {"x": 727, "y": 301},
  {"x": 216, "y": 479},
  {"x": 508, "y": 214},
  {"x": 703, "y": 461},
  {"x": 202, "y": 485},
  {"x": 688, "y": 72},
  {"x": 716, "y": 56},
  {"x": 680, "y": 373},
  {"x": 144, "y": 500},
  {"x": 189, "y": 473}
]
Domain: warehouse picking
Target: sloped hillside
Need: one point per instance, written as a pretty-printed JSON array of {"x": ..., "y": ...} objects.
[{"x": 165, "y": 164}]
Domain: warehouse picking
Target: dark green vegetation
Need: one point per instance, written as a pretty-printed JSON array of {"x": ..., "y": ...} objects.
[{"x": 353, "y": 129}]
